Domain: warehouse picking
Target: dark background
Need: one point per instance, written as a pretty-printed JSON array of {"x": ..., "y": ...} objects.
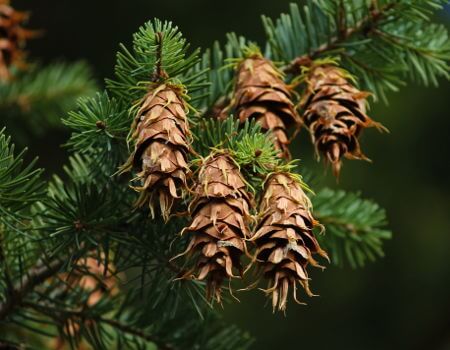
[{"x": 400, "y": 302}]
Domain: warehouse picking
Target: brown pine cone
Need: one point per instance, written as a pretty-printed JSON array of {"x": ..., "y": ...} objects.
[
  {"x": 335, "y": 113},
  {"x": 162, "y": 143},
  {"x": 261, "y": 94},
  {"x": 284, "y": 238},
  {"x": 220, "y": 216},
  {"x": 12, "y": 39}
]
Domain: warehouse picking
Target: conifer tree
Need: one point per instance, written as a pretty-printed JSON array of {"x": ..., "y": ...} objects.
[{"x": 179, "y": 181}]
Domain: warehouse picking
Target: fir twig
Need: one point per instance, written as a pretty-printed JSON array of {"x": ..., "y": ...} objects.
[
  {"x": 365, "y": 25},
  {"x": 86, "y": 317},
  {"x": 134, "y": 331},
  {"x": 33, "y": 278}
]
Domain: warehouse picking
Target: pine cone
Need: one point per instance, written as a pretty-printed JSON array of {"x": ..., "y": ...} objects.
[
  {"x": 284, "y": 238},
  {"x": 220, "y": 215},
  {"x": 12, "y": 39},
  {"x": 261, "y": 94},
  {"x": 162, "y": 144},
  {"x": 335, "y": 114}
]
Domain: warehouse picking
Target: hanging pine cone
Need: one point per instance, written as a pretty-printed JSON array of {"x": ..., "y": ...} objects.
[
  {"x": 284, "y": 238},
  {"x": 12, "y": 39},
  {"x": 335, "y": 114},
  {"x": 162, "y": 143},
  {"x": 220, "y": 215},
  {"x": 261, "y": 94}
]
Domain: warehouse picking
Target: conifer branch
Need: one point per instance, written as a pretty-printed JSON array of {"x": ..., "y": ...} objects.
[
  {"x": 365, "y": 25},
  {"x": 6, "y": 272},
  {"x": 33, "y": 278},
  {"x": 159, "y": 73},
  {"x": 355, "y": 227},
  {"x": 134, "y": 331},
  {"x": 45, "y": 93},
  {"x": 217, "y": 169},
  {"x": 87, "y": 318}
]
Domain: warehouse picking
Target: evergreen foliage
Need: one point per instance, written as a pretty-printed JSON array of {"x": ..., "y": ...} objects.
[
  {"x": 48, "y": 232},
  {"x": 381, "y": 42},
  {"x": 159, "y": 52},
  {"x": 39, "y": 96},
  {"x": 20, "y": 185},
  {"x": 355, "y": 227}
]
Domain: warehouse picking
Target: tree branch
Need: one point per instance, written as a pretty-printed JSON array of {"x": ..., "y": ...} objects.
[
  {"x": 34, "y": 277},
  {"x": 159, "y": 73},
  {"x": 86, "y": 317},
  {"x": 130, "y": 330},
  {"x": 3, "y": 262},
  {"x": 365, "y": 24}
]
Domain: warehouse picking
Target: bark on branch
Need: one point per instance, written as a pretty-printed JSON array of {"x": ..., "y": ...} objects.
[{"x": 34, "y": 277}]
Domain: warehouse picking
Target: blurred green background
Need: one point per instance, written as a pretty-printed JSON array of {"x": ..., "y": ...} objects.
[{"x": 401, "y": 302}]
